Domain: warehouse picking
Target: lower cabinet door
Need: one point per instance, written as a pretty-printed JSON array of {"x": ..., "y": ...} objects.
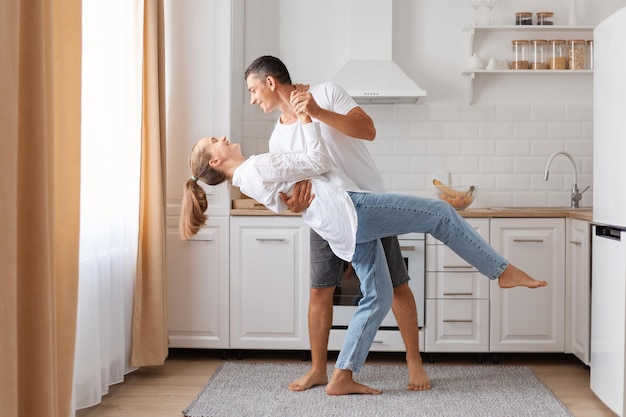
[
  {"x": 197, "y": 286},
  {"x": 269, "y": 293},
  {"x": 523, "y": 319}
]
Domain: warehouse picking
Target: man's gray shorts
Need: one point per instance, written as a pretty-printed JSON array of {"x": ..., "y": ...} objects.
[{"x": 327, "y": 268}]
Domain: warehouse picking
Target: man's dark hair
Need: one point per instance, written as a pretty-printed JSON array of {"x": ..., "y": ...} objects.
[{"x": 269, "y": 65}]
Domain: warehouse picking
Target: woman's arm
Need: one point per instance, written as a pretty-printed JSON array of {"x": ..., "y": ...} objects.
[{"x": 297, "y": 166}]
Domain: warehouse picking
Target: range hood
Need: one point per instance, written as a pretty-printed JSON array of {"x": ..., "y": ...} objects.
[{"x": 370, "y": 76}]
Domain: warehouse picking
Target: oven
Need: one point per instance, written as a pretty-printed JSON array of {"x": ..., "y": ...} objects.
[{"x": 347, "y": 296}]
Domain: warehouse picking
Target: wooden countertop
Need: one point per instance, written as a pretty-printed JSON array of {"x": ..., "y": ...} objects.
[{"x": 582, "y": 213}]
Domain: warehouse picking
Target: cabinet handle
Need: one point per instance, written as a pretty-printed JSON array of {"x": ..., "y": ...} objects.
[
  {"x": 378, "y": 341},
  {"x": 528, "y": 240},
  {"x": 269, "y": 239},
  {"x": 575, "y": 242},
  {"x": 457, "y": 321},
  {"x": 458, "y": 266},
  {"x": 407, "y": 248},
  {"x": 458, "y": 293}
]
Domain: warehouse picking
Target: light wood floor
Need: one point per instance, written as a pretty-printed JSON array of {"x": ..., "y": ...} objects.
[{"x": 164, "y": 391}]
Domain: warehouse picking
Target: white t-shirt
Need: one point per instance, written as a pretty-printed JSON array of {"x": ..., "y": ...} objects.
[
  {"x": 348, "y": 154},
  {"x": 331, "y": 214}
]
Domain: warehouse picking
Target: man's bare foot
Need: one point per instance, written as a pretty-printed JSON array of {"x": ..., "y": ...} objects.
[
  {"x": 418, "y": 380},
  {"x": 514, "y": 277},
  {"x": 310, "y": 380},
  {"x": 341, "y": 383}
]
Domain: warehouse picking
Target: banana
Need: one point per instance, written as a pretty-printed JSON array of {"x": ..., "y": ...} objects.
[{"x": 451, "y": 192}]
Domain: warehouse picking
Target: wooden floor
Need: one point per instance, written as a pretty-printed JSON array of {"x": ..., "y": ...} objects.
[{"x": 164, "y": 391}]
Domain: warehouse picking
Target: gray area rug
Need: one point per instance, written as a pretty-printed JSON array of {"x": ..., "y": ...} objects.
[{"x": 244, "y": 389}]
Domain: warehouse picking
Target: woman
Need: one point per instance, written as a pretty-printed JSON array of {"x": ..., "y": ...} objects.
[{"x": 351, "y": 220}]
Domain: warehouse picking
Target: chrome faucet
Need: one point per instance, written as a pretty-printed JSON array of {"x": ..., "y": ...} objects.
[{"x": 576, "y": 194}]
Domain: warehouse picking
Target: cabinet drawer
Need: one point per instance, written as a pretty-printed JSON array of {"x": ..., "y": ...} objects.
[
  {"x": 457, "y": 325},
  {"x": 442, "y": 258},
  {"x": 457, "y": 285},
  {"x": 480, "y": 225}
]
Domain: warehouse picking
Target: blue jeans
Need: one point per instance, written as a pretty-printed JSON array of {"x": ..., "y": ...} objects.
[{"x": 381, "y": 215}]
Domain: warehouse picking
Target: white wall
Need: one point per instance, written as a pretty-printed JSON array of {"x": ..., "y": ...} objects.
[
  {"x": 197, "y": 83},
  {"x": 501, "y": 143}
]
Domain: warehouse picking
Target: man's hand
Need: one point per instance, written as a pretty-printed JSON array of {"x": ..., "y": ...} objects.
[
  {"x": 301, "y": 197},
  {"x": 303, "y": 102},
  {"x": 301, "y": 87}
]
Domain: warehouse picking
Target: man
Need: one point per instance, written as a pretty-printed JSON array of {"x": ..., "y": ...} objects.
[{"x": 344, "y": 125}]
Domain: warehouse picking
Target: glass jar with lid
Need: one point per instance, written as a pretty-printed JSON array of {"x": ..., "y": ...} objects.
[
  {"x": 590, "y": 54},
  {"x": 545, "y": 18},
  {"x": 520, "y": 54},
  {"x": 539, "y": 54},
  {"x": 523, "y": 18},
  {"x": 576, "y": 54},
  {"x": 558, "y": 55}
]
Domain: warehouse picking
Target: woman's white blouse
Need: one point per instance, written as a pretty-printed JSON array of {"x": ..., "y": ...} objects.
[{"x": 331, "y": 214}]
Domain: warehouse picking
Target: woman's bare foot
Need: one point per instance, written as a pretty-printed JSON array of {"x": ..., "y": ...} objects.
[
  {"x": 341, "y": 383},
  {"x": 514, "y": 277},
  {"x": 418, "y": 380},
  {"x": 310, "y": 380}
]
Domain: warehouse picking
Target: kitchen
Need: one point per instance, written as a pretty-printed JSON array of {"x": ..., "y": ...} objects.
[{"x": 500, "y": 141}]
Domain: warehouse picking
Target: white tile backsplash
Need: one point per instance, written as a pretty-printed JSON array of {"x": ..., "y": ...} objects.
[
  {"x": 513, "y": 113},
  {"x": 527, "y": 130},
  {"x": 506, "y": 147},
  {"x": 496, "y": 130},
  {"x": 427, "y": 130},
  {"x": 549, "y": 113},
  {"x": 579, "y": 113},
  {"x": 565, "y": 130},
  {"x": 495, "y": 164},
  {"x": 502, "y": 149},
  {"x": 479, "y": 113}
]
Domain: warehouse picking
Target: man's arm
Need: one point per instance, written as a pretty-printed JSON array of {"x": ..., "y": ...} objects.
[
  {"x": 356, "y": 124},
  {"x": 301, "y": 197}
]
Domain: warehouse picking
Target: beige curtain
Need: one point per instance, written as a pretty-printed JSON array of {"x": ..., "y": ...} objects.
[
  {"x": 149, "y": 310},
  {"x": 40, "y": 63}
]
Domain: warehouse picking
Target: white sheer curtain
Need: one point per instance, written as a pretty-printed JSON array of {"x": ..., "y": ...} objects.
[{"x": 110, "y": 158}]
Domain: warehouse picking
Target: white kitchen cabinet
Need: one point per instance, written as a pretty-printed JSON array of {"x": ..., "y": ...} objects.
[
  {"x": 457, "y": 299},
  {"x": 198, "y": 286},
  {"x": 578, "y": 273},
  {"x": 269, "y": 282},
  {"x": 197, "y": 35},
  {"x": 523, "y": 319}
]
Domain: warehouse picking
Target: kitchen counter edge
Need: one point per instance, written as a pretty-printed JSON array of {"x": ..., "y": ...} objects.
[{"x": 582, "y": 214}]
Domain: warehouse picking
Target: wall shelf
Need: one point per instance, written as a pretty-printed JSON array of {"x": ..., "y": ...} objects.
[
  {"x": 539, "y": 30},
  {"x": 526, "y": 72}
]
